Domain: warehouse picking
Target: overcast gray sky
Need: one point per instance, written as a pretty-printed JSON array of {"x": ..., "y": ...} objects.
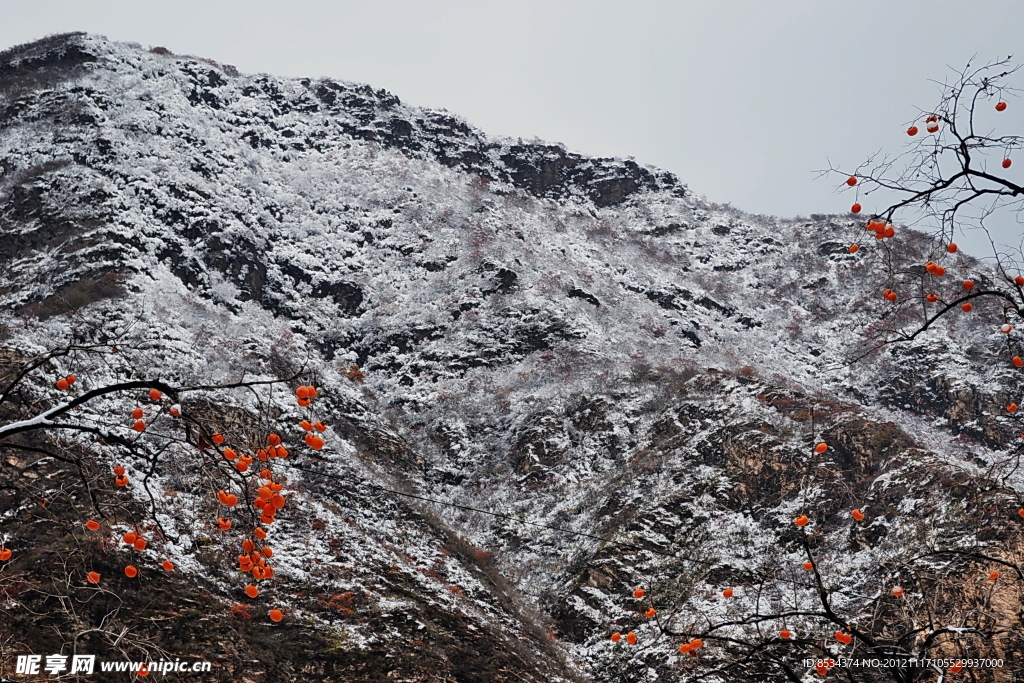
[{"x": 742, "y": 99}]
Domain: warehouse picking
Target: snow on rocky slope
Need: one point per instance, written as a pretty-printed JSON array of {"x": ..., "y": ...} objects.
[{"x": 568, "y": 341}]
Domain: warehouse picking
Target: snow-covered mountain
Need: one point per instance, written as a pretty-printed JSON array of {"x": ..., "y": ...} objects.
[{"x": 579, "y": 345}]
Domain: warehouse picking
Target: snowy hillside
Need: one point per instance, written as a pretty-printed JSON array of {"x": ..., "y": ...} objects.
[{"x": 566, "y": 341}]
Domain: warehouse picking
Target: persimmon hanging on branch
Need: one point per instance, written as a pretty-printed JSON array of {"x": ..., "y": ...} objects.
[
  {"x": 40, "y": 421},
  {"x": 957, "y": 181}
]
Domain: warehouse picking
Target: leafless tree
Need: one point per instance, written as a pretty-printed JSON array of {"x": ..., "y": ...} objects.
[
  {"x": 58, "y": 445},
  {"x": 955, "y": 175}
]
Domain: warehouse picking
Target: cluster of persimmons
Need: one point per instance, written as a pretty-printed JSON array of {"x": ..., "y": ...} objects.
[{"x": 266, "y": 497}]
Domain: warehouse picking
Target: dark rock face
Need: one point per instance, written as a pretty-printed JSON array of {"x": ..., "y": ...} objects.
[
  {"x": 78, "y": 294},
  {"x": 506, "y": 281},
  {"x": 347, "y": 295},
  {"x": 921, "y": 386},
  {"x": 38, "y": 65},
  {"x": 548, "y": 171},
  {"x": 241, "y": 261},
  {"x": 577, "y": 293}
]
